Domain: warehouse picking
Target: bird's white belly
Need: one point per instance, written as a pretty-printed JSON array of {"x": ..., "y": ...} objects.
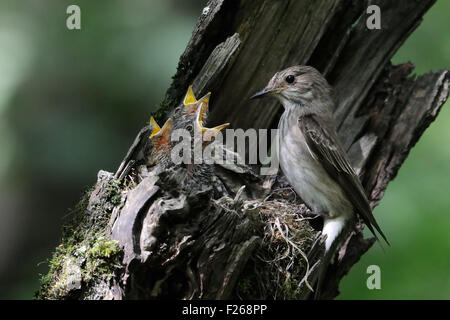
[{"x": 309, "y": 179}]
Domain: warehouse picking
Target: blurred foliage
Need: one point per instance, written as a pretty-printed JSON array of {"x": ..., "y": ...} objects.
[{"x": 71, "y": 102}]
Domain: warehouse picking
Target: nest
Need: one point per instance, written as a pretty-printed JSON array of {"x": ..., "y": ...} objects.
[{"x": 281, "y": 266}]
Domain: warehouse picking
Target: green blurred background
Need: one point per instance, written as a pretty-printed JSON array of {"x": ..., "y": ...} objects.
[{"x": 71, "y": 103}]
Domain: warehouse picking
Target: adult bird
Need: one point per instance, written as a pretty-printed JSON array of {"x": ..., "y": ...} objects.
[{"x": 311, "y": 155}]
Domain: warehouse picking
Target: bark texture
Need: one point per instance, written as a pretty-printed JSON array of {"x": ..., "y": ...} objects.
[{"x": 237, "y": 234}]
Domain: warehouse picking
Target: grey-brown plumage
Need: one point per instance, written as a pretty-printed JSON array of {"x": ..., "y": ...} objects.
[{"x": 311, "y": 155}]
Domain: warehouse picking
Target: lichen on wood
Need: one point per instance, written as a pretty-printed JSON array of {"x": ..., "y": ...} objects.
[{"x": 86, "y": 255}]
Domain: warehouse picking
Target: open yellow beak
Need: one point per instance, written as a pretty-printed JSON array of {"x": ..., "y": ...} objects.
[
  {"x": 202, "y": 107},
  {"x": 201, "y": 114},
  {"x": 189, "y": 98},
  {"x": 155, "y": 127},
  {"x": 157, "y": 131},
  {"x": 205, "y": 100},
  {"x": 191, "y": 103}
]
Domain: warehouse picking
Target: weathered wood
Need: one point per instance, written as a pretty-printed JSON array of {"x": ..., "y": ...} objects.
[{"x": 215, "y": 239}]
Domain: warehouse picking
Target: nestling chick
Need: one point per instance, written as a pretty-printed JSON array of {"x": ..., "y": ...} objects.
[{"x": 161, "y": 144}]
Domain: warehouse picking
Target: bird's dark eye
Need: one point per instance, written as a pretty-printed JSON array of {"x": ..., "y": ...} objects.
[{"x": 290, "y": 78}]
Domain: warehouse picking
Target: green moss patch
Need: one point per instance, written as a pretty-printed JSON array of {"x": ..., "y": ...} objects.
[{"x": 86, "y": 254}]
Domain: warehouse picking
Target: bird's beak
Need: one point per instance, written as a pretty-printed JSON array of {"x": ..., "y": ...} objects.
[
  {"x": 189, "y": 98},
  {"x": 166, "y": 128},
  {"x": 267, "y": 92},
  {"x": 155, "y": 127},
  {"x": 164, "y": 131},
  {"x": 201, "y": 114},
  {"x": 205, "y": 100},
  {"x": 191, "y": 104}
]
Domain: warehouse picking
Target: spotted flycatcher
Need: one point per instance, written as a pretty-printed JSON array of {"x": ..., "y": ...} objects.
[{"x": 311, "y": 155}]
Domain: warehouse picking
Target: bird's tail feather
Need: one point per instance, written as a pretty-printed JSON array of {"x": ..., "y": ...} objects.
[{"x": 332, "y": 229}]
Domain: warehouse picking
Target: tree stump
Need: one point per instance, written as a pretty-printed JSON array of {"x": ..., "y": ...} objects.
[{"x": 140, "y": 233}]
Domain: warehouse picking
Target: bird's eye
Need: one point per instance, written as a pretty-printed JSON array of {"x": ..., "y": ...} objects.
[{"x": 290, "y": 78}]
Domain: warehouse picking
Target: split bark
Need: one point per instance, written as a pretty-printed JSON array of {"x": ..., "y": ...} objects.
[{"x": 221, "y": 240}]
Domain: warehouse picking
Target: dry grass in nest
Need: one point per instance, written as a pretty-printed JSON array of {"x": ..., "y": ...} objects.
[{"x": 287, "y": 239}]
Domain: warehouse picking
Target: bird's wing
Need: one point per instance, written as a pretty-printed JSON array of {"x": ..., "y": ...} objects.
[{"x": 326, "y": 148}]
